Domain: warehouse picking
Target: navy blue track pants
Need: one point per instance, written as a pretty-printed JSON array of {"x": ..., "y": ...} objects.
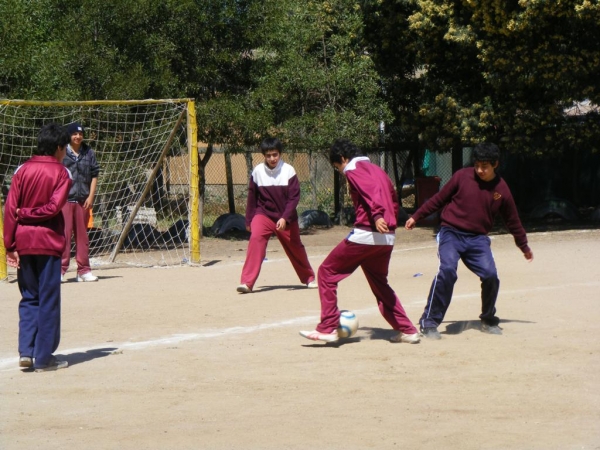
[
  {"x": 39, "y": 309},
  {"x": 475, "y": 252}
]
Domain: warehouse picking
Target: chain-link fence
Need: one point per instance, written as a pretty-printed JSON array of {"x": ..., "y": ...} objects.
[
  {"x": 220, "y": 197},
  {"x": 316, "y": 176},
  {"x": 536, "y": 184}
]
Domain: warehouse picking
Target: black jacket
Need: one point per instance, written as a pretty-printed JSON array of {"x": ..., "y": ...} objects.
[{"x": 83, "y": 168}]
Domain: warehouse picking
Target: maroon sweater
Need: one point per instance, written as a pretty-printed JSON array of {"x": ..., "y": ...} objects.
[
  {"x": 373, "y": 194},
  {"x": 39, "y": 189},
  {"x": 274, "y": 193},
  {"x": 470, "y": 204}
]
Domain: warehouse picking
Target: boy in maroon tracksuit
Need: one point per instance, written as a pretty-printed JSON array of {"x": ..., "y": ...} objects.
[
  {"x": 273, "y": 194},
  {"x": 368, "y": 246},
  {"x": 470, "y": 201},
  {"x": 34, "y": 240}
]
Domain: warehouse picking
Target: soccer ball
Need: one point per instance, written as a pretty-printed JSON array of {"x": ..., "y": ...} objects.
[{"x": 348, "y": 324}]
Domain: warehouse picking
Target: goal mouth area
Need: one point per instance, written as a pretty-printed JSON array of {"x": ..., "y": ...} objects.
[{"x": 145, "y": 210}]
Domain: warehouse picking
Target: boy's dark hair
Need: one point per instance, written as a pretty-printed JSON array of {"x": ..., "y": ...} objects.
[
  {"x": 486, "y": 151},
  {"x": 343, "y": 148},
  {"x": 50, "y": 137},
  {"x": 271, "y": 143}
]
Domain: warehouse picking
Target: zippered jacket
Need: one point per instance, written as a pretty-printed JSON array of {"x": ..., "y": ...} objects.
[
  {"x": 83, "y": 168},
  {"x": 39, "y": 189},
  {"x": 372, "y": 193}
]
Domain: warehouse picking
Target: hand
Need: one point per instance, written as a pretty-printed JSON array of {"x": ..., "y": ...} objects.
[
  {"x": 248, "y": 229},
  {"x": 281, "y": 225},
  {"x": 88, "y": 202},
  {"x": 410, "y": 224},
  {"x": 381, "y": 225},
  {"x": 13, "y": 260},
  {"x": 528, "y": 256}
]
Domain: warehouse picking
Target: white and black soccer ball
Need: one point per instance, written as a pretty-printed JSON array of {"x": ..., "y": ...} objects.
[{"x": 348, "y": 324}]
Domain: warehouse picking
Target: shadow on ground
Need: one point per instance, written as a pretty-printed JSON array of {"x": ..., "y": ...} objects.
[
  {"x": 461, "y": 326},
  {"x": 82, "y": 357}
]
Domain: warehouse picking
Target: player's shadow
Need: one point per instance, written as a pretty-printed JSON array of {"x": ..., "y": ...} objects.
[
  {"x": 461, "y": 326},
  {"x": 382, "y": 334},
  {"x": 73, "y": 279},
  {"x": 336, "y": 344},
  {"x": 212, "y": 262},
  {"x": 287, "y": 287},
  {"x": 82, "y": 357}
]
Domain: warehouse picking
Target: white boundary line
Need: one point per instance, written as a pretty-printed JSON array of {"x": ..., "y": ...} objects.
[{"x": 10, "y": 363}]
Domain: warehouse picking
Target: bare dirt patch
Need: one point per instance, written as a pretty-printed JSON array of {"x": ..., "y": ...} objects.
[{"x": 175, "y": 358}]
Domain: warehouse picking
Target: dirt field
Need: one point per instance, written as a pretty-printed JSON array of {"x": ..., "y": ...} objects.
[{"x": 176, "y": 359}]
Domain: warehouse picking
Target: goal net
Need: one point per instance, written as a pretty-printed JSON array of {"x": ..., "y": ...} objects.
[{"x": 146, "y": 204}]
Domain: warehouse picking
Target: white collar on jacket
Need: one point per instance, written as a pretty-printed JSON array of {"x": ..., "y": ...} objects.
[{"x": 352, "y": 163}]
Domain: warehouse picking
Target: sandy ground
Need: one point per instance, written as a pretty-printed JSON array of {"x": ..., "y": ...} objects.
[{"x": 175, "y": 358}]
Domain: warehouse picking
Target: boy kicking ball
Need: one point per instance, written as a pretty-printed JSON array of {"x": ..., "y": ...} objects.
[
  {"x": 368, "y": 246},
  {"x": 34, "y": 240},
  {"x": 469, "y": 203}
]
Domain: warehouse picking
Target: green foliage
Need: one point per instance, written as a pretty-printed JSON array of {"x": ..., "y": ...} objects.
[
  {"x": 439, "y": 73},
  {"x": 507, "y": 70},
  {"x": 315, "y": 75}
]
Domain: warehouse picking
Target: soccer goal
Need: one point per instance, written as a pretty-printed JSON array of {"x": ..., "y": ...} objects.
[{"x": 146, "y": 208}]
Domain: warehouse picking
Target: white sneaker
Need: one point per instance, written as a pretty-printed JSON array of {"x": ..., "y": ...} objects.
[
  {"x": 406, "y": 338},
  {"x": 244, "y": 289},
  {"x": 55, "y": 364},
  {"x": 316, "y": 336},
  {"x": 312, "y": 284},
  {"x": 87, "y": 277},
  {"x": 25, "y": 362},
  {"x": 63, "y": 279}
]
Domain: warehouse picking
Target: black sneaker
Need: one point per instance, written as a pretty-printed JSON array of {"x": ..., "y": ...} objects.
[
  {"x": 490, "y": 329},
  {"x": 431, "y": 333}
]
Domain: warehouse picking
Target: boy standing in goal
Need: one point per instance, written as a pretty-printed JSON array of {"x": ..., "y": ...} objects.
[
  {"x": 368, "y": 246},
  {"x": 470, "y": 201},
  {"x": 34, "y": 240},
  {"x": 273, "y": 195},
  {"x": 81, "y": 162}
]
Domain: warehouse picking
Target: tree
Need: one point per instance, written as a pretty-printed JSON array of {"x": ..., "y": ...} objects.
[
  {"x": 122, "y": 49},
  {"x": 314, "y": 74},
  {"x": 506, "y": 71},
  {"x": 31, "y": 61}
]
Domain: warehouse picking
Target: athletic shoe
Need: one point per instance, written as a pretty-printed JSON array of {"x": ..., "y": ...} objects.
[
  {"x": 55, "y": 364},
  {"x": 26, "y": 362},
  {"x": 406, "y": 338},
  {"x": 86, "y": 277},
  {"x": 244, "y": 289},
  {"x": 312, "y": 284},
  {"x": 431, "y": 333},
  {"x": 63, "y": 279},
  {"x": 490, "y": 329},
  {"x": 316, "y": 336}
]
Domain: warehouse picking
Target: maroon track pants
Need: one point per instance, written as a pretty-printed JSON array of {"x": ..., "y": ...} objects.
[
  {"x": 262, "y": 229},
  {"x": 76, "y": 219},
  {"x": 374, "y": 261}
]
